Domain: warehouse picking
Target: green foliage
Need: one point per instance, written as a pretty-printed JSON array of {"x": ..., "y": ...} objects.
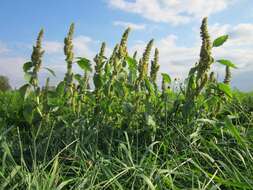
[
  {"x": 227, "y": 63},
  {"x": 220, "y": 41},
  {"x": 126, "y": 132}
]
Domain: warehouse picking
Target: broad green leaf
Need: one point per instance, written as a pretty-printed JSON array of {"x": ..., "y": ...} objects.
[
  {"x": 27, "y": 66},
  {"x": 28, "y": 76},
  {"x": 25, "y": 90},
  {"x": 166, "y": 78},
  {"x": 227, "y": 63},
  {"x": 60, "y": 88},
  {"x": 84, "y": 64},
  {"x": 132, "y": 63},
  {"x": 98, "y": 82},
  {"x": 78, "y": 77},
  {"x": 149, "y": 86},
  {"x": 37, "y": 115},
  {"x": 225, "y": 88},
  {"x": 50, "y": 71},
  {"x": 220, "y": 41}
]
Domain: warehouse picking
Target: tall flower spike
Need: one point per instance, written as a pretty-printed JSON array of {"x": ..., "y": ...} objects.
[
  {"x": 205, "y": 53},
  {"x": 114, "y": 53},
  {"x": 123, "y": 43},
  {"x": 99, "y": 59},
  {"x": 228, "y": 75},
  {"x": 36, "y": 58},
  {"x": 145, "y": 60},
  {"x": 155, "y": 66},
  {"x": 68, "y": 51}
]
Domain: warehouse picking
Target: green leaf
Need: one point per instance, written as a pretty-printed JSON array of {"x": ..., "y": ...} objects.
[
  {"x": 50, "y": 71},
  {"x": 25, "y": 90},
  {"x": 166, "y": 78},
  {"x": 132, "y": 63},
  {"x": 220, "y": 41},
  {"x": 84, "y": 64},
  {"x": 98, "y": 82},
  {"x": 64, "y": 183},
  {"x": 27, "y": 66},
  {"x": 149, "y": 86},
  {"x": 227, "y": 63},
  {"x": 78, "y": 77},
  {"x": 225, "y": 88},
  {"x": 28, "y": 76},
  {"x": 234, "y": 131},
  {"x": 60, "y": 88}
]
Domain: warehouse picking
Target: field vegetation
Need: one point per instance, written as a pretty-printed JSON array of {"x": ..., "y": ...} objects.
[{"x": 115, "y": 127}]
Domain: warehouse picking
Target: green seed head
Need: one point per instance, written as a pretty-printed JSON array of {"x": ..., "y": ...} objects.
[
  {"x": 228, "y": 75},
  {"x": 68, "y": 51},
  {"x": 68, "y": 44},
  {"x": 205, "y": 53},
  {"x": 99, "y": 59},
  {"x": 145, "y": 58},
  {"x": 123, "y": 44},
  {"x": 37, "y": 53},
  {"x": 36, "y": 58},
  {"x": 155, "y": 66}
]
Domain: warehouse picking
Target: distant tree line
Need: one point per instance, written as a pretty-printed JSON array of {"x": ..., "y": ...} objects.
[{"x": 4, "y": 83}]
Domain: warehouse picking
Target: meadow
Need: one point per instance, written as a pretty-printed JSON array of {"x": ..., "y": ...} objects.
[{"x": 115, "y": 127}]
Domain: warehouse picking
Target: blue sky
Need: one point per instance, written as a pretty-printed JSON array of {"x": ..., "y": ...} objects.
[{"x": 174, "y": 24}]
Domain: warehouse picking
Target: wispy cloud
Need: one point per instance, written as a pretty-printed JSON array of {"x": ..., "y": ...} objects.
[
  {"x": 171, "y": 11},
  {"x": 133, "y": 26},
  {"x": 53, "y": 47},
  {"x": 3, "y": 48}
]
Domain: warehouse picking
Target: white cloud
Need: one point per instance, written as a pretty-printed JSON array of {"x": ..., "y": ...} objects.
[
  {"x": 3, "y": 48},
  {"x": 12, "y": 64},
  {"x": 176, "y": 60},
  {"x": 12, "y": 67},
  {"x": 133, "y": 26},
  {"x": 84, "y": 46},
  {"x": 171, "y": 11},
  {"x": 52, "y": 47}
]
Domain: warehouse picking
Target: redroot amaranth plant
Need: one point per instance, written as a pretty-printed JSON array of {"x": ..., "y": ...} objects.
[
  {"x": 123, "y": 44},
  {"x": 155, "y": 67},
  {"x": 36, "y": 59},
  {"x": 68, "y": 51},
  {"x": 144, "y": 61},
  {"x": 198, "y": 75},
  {"x": 99, "y": 63}
]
